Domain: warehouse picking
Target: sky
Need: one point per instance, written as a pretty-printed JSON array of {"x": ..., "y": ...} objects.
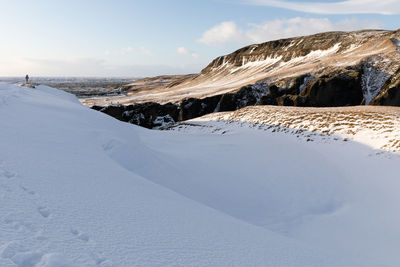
[{"x": 145, "y": 38}]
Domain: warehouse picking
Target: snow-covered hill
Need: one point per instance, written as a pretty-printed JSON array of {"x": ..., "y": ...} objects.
[
  {"x": 301, "y": 67},
  {"x": 79, "y": 188}
]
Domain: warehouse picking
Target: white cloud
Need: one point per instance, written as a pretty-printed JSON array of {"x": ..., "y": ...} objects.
[
  {"x": 224, "y": 32},
  {"x": 146, "y": 51},
  {"x": 285, "y": 28},
  {"x": 384, "y": 7},
  {"x": 129, "y": 50},
  {"x": 126, "y": 50},
  {"x": 184, "y": 51}
]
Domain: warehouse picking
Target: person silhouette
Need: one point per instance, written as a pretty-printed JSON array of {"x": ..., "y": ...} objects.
[{"x": 27, "y": 79}]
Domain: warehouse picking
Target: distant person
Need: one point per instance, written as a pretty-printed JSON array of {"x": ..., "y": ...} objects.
[{"x": 27, "y": 79}]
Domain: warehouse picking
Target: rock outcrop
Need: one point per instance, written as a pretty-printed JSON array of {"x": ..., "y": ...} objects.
[{"x": 150, "y": 115}]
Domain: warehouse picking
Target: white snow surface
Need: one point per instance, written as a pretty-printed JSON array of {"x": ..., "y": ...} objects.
[{"x": 79, "y": 188}]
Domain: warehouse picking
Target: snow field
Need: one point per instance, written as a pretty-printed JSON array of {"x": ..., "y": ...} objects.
[{"x": 79, "y": 188}]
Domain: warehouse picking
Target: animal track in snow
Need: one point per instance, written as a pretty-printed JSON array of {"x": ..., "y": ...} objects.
[
  {"x": 22, "y": 257},
  {"x": 44, "y": 211},
  {"x": 9, "y": 249},
  {"x": 80, "y": 235},
  {"x": 33, "y": 248},
  {"x": 6, "y": 187},
  {"x": 29, "y": 258},
  {"x": 31, "y": 192},
  {"x": 17, "y": 222},
  {"x": 7, "y": 174}
]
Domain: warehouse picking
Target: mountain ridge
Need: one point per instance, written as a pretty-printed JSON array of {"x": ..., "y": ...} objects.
[
  {"x": 330, "y": 69},
  {"x": 278, "y": 60}
]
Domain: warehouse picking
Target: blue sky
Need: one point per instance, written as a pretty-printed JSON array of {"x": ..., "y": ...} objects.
[{"x": 144, "y": 38}]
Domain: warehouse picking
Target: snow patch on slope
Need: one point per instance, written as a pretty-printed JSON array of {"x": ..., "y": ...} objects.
[
  {"x": 303, "y": 86},
  {"x": 270, "y": 61},
  {"x": 313, "y": 55},
  {"x": 372, "y": 81},
  {"x": 260, "y": 89},
  {"x": 352, "y": 47},
  {"x": 257, "y": 64}
]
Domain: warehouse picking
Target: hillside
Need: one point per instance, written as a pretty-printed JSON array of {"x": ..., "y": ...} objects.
[
  {"x": 330, "y": 69},
  {"x": 361, "y": 65},
  {"x": 316, "y": 56}
]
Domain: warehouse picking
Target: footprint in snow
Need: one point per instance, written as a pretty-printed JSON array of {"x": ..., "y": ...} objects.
[
  {"x": 6, "y": 188},
  {"x": 43, "y": 211},
  {"x": 111, "y": 144},
  {"x": 80, "y": 235},
  {"x": 97, "y": 257},
  {"x": 100, "y": 260},
  {"x": 31, "y": 192},
  {"x": 28, "y": 258},
  {"x": 8, "y": 250},
  {"x": 22, "y": 257},
  {"x": 7, "y": 174},
  {"x": 54, "y": 259},
  {"x": 17, "y": 223}
]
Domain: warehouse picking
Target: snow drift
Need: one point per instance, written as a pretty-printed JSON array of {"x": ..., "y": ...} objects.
[{"x": 79, "y": 188}]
